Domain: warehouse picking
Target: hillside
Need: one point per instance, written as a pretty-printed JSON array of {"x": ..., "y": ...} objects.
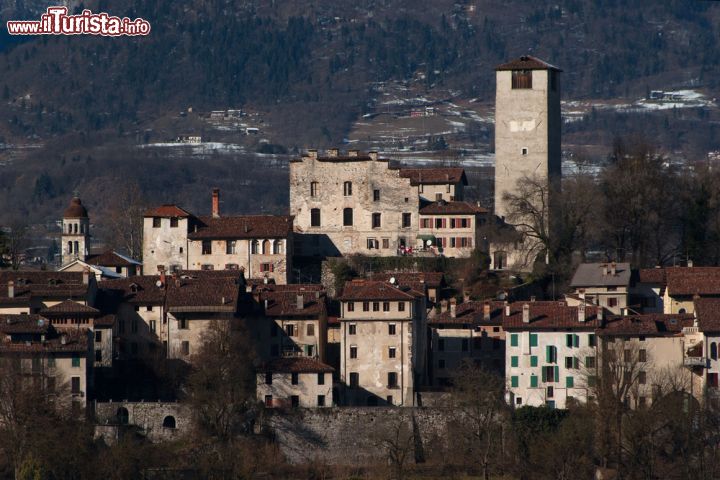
[{"x": 75, "y": 111}]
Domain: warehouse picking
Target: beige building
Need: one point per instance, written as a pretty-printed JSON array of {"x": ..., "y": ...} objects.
[
  {"x": 175, "y": 239},
  {"x": 466, "y": 332},
  {"x": 295, "y": 382},
  {"x": 26, "y": 292},
  {"x": 383, "y": 343},
  {"x": 57, "y": 361},
  {"x": 527, "y": 145},
  {"x": 350, "y": 204},
  {"x": 674, "y": 289},
  {"x": 106, "y": 265},
  {"x": 604, "y": 284},
  {"x": 451, "y": 228}
]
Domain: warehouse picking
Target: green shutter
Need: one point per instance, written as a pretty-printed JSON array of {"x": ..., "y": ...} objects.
[
  {"x": 75, "y": 361},
  {"x": 533, "y": 339},
  {"x": 569, "y": 382},
  {"x": 533, "y": 381},
  {"x": 514, "y": 381},
  {"x": 568, "y": 340},
  {"x": 557, "y": 373},
  {"x": 544, "y": 375},
  {"x": 513, "y": 361},
  {"x": 591, "y": 339},
  {"x": 514, "y": 340},
  {"x": 576, "y": 340},
  {"x": 533, "y": 360},
  {"x": 548, "y": 353}
]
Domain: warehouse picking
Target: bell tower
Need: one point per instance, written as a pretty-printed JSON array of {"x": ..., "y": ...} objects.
[{"x": 75, "y": 231}]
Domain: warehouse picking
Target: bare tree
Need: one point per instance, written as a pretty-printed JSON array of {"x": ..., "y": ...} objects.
[
  {"x": 15, "y": 242},
  {"x": 397, "y": 440},
  {"x": 123, "y": 220}
]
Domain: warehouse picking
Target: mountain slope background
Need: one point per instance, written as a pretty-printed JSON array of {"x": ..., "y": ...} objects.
[{"x": 74, "y": 110}]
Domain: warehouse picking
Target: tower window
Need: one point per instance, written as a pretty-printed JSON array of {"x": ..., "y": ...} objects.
[
  {"x": 524, "y": 151},
  {"x": 521, "y": 79},
  {"x": 315, "y": 217},
  {"x": 347, "y": 217},
  {"x": 347, "y": 189},
  {"x": 313, "y": 189},
  {"x": 156, "y": 222}
]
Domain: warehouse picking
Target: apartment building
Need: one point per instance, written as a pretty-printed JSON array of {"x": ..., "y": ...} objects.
[
  {"x": 451, "y": 228},
  {"x": 293, "y": 382},
  {"x": 32, "y": 291},
  {"x": 604, "y": 284}
]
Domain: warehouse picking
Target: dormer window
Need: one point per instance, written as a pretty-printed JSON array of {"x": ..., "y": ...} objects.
[
  {"x": 521, "y": 79},
  {"x": 134, "y": 287}
]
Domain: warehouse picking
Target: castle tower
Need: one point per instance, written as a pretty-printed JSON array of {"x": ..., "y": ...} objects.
[
  {"x": 527, "y": 127},
  {"x": 75, "y": 232}
]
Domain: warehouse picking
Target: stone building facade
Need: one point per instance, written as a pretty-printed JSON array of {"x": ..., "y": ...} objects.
[
  {"x": 75, "y": 237},
  {"x": 383, "y": 343},
  {"x": 356, "y": 203},
  {"x": 295, "y": 382}
]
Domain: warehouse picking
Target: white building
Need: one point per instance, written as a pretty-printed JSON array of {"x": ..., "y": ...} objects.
[{"x": 295, "y": 382}]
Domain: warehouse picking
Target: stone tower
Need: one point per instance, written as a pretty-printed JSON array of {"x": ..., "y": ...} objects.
[
  {"x": 527, "y": 127},
  {"x": 527, "y": 124},
  {"x": 75, "y": 232}
]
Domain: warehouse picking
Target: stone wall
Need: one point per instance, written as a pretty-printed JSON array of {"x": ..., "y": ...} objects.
[
  {"x": 148, "y": 416},
  {"x": 350, "y": 436}
]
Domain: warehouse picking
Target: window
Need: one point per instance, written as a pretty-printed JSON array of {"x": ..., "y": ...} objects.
[
  {"x": 294, "y": 401},
  {"x": 550, "y": 392},
  {"x": 183, "y": 324},
  {"x": 351, "y": 306},
  {"x": 591, "y": 339},
  {"x": 524, "y": 151},
  {"x": 406, "y": 220},
  {"x": 372, "y": 243},
  {"x": 149, "y": 308},
  {"x": 321, "y": 400},
  {"x": 514, "y": 361},
  {"x": 321, "y": 379},
  {"x": 612, "y": 302},
  {"x": 267, "y": 267},
  {"x": 232, "y": 266},
  {"x": 391, "y": 352},
  {"x": 157, "y": 222},
  {"x": 376, "y": 306},
  {"x": 352, "y": 329},
  {"x": 401, "y": 306},
  {"x": 464, "y": 345},
  {"x": 207, "y": 266},
  {"x": 386, "y": 306},
  {"x": 533, "y": 381},
  {"x": 366, "y": 306},
  {"x": 376, "y": 195},
  {"x": 712, "y": 380},
  {"x": 268, "y": 401},
  {"x": 173, "y": 223},
  {"x": 207, "y": 247},
  {"x": 354, "y": 379},
  {"x": 550, "y": 354},
  {"x": 569, "y": 382},
  {"x": 627, "y": 355},
  {"x": 521, "y": 79},
  {"x": 347, "y": 217},
  {"x": 533, "y": 361},
  {"x": 385, "y": 243},
  {"x": 514, "y": 381},
  {"x": 589, "y": 362},
  {"x": 441, "y": 344},
  {"x": 75, "y": 382},
  {"x": 642, "y": 355},
  {"x": 549, "y": 374},
  {"x": 392, "y": 329},
  {"x": 186, "y": 347},
  {"x": 533, "y": 340},
  {"x": 572, "y": 363},
  {"x": 313, "y": 189},
  {"x": 169, "y": 422},
  {"x": 353, "y": 351},
  {"x": 153, "y": 326},
  {"x": 294, "y": 378},
  {"x": 315, "y": 217},
  {"x": 572, "y": 340},
  {"x": 392, "y": 380},
  {"x": 642, "y": 377},
  {"x": 76, "y": 361},
  {"x": 98, "y": 336},
  {"x": 375, "y": 220},
  {"x": 230, "y": 247},
  {"x": 513, "y": 339},
  {"x": 254, "y": 247},
  {"x": 290, "y": 330},
  {"x": 425, "y": 223},
  {"x": 310, "y": 330},
  {"x": 347, "y": 189},
  {"x": 439, "y": 222}
]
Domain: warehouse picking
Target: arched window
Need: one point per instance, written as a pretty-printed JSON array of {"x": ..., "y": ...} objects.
[
  {"x": 266, "y": 247},
  {"x": 713, "y": 351},
  {"x": 682, "y": 310},
  {"x": 169, "y": 422},
  {"x": 254, "y": 247},
  {"x": 123, "y": 417},
  {"x": 69, "y": 247},
  {"x": 69, "y": 225},
  {"x": 77, "y": 247},
  {"x": 347, "y": 217},
  {"x": 278, "y": 247},
  {"x": 347, "y": 189},
  {"x": 76, "y": 228},
  {"x": 313, "y": 189}
]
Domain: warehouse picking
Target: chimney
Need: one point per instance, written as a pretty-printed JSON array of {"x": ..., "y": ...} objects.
[
  {"x": 373, "y": 156},
  {"x": 532, "y": 298},
  {"x": 526, "y": 313},
  {"x": 353, "y": 153},
  {"x": 266, "y": 304},
  {"x": 453, "y": 307},
  {"x": 599, "y": 313},
  {"x": 11, "y": 289},
  {"x": 604, "y": 269},
  {"x": 443, "y": 306},
  {"x": 63, "y": 339},
  {"x": 312, "y": 154},
  {"x": 162, "y": 278},
  {"x": 486, "y": 311},
  {"x": 265, "y": 279},
  {"x": 612, "y": 268},
  {"x": 466, "y": 296},
  {"x": 300, "y": 302},
  {"x": 332, "y": 152},
  {"x": 690, "y": 263},
  {"x": 86, "y": 277},
  {"x": 581, "y": 294},
  {"x": 507, "y": 309},
  {"x": 216, "y": 203},
  {"x": 581, "y": 312}
]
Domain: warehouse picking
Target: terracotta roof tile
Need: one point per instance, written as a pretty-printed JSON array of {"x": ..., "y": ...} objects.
[
  {"x": 449, "y": 208},
  {"x": 24, "y": 324},
  {"x": 434, "y": 176},
  {"x": 41, "y": 284},
  {"x": 374, "y": 290},
  {"x": 111, "y": 258},
  {"x": 652, "y": 275},
  {"x": 693, "y": 281},
  {"x": 527, "y": 62},
  {"x": 550, "y": 315},
  {"x": 414, "y": 280},
  {"x": 295, "y": 365},
  {"x": 471, "y": 312},
  {"x": 285, "y": 303},
  {"x": 652, "y": 324},
  {"x": 708, "y": 314},
  {"x": 167, "y": 211},
  {"x": 76, "y": 341},
  {"x": 140, "y": 290},
  {"x": 246, "y": 226},
  {"x": 68, "y": 306}
]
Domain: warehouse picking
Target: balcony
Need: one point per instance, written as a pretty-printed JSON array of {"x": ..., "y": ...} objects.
[{"x": 695, "y": 362}]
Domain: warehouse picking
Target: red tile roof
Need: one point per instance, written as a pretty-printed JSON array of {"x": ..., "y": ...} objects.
[
  {"x": 217, "y": 294},
  {"x": 471, "y": 313},
  {"x": 42, "y": 284},
  {"x": 141, "y": 290},
  {"x": 70, "y": 307},
  {"x": 24, "y": 324},
  {"x": 686, "y": 281},
  {"x": 361, "y": 157},
  {"x": 167, "y": 211},
  {"x": 285, "y": 303},
  {"x": 246, "y": 226},
  {"x": 434, "y": 176},
  {"x": 111, "y": 258},
  {"x": 652, "y": 275},
  {"x": 708, "y": 314},
  {"x": 547, "y": 315},
  {"x": 374, "y": 290},
  {"x": 653, "y": 324},
  {"x": 527, "y": 62},
  {"x": 295, "y": 365},
  {"x": 75, "y": 341},
  {"x": 415, "y": 280},
  {"x": 452, "y": 208}
]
